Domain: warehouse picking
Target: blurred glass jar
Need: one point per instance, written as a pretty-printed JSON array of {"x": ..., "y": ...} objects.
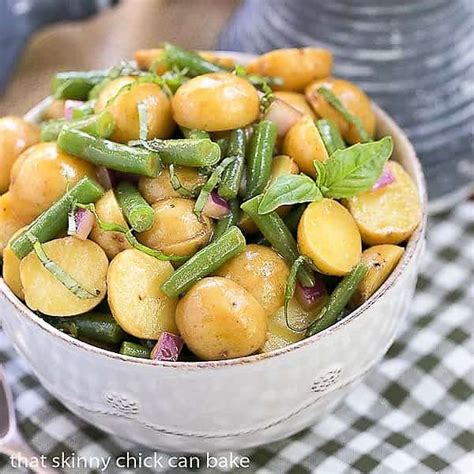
[{"x": 415, "y": 58}]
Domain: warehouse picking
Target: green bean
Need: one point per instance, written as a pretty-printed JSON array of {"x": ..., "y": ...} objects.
[
  {"x": 101, "y": 125},
  {"x": 137, "y": 211},
  {"x": 204, "y": 262},
  {"x": 224, "y": 224},
  {"x": 229, "y": 186},
  {"x": 223, "y": 143},
  {"x": 112, "y": 155},
  {"x": 293, "y": 218},
  {"x": 260, "y": 157},
  {"x": 330, "y": 134},
  {"x": 134, "y": 350},
  {"x": 273, "y": 228},
  {"x": 188, "y": 133},
  {"x": 194, "y": 152},
  {"x": 185, "y": 59},
  {"x": 338, "y": 300},
  {"x": 96, "y": 326},
  {"x": 54, "y": 220},
  {"x": 84, "y": 110},
  {"x": 76, "y": 85}
]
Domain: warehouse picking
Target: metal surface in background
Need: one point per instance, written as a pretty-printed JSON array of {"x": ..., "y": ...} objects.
[{"x": 415, "y": 58}]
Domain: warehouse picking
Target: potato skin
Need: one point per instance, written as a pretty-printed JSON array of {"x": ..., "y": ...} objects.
[
  {"x": 134, "y": 296},
  {"x": 262, "y": 272},
  {"x": 352, "y": 97},
  {"x": 41, "y": 175},
  {"x": 111, "y": 90},
  {"x": 176, "y": 229},
  {"x": 381, "y": 260},
  {"x": 304, "y": 144},
  {"x": 296, "y": 100},
  {"x": 328, "y": 234},
  {"x": 124, "y": 109},
  {"x": 11, "y": 268},
  {"x": 296, "y": 67},
  {"x": 216, "y": 101},
  {"x": 108, "y": 210},
  {"x": 388, "y": 215},
  {"x": 218, "y": 319},
  {"x": 156, "y": 189},
  {"x": 84, "y": 260},
  {"x": 9, "y": 222},
  {"x": 282, "y": 165},
  {"x": 16, "y": 135}
]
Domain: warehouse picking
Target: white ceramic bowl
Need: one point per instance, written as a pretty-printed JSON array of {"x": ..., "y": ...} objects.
[{"x": 225, "y": 405}]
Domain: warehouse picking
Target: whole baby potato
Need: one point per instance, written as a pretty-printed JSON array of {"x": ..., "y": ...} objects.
[
  {"x": 83, "y": 260},
  {"x": 110, "y": 91},
  {"x": 135, "y": 299},
  {"x": 328, "y": 235},
  {"x": 296, "y": 100},
  {"x": 9, "y": 221},
  {"x": 176, "y": 229},
  {"x": 380, "y": 260},
  {"x": 16, "y": 135},
  {"x": 156, "y": 189},
  {"x": 41, "y": 175},
  {"x": 108, "y": 210},
  {"x": 304, "y": 144},
  {"x": 218, "y": 319},
  {"x": 296, "y": 67},
  {"x": 390, "y": 214},
  {"x": 124, "y": 109},
  {"x": 216, "y": 101},
  {"x": 262, "y": 272},
  {"x": 11, "y": 268},
  {"x": 352, "y": 97}
]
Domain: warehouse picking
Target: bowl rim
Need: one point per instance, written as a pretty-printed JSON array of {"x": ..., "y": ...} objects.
[{"x": 414, "y": 245}]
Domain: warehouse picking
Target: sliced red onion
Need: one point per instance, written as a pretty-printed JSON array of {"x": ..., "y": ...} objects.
[
  {"x": 310, "y": 296},
  {"x": 80, "y": 223},
  {"x": 216, "y": 207},
  {"x": 283, "y": 115},
  {"x": 69, "y": 106},
  {"x": 387, "y": 177},
  {"x": 106, "y": 177},
  {"x": 168, "y": 347}
]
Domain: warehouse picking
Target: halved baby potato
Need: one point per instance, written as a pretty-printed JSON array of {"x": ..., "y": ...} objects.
[
  {"x": 11, "y": 268},
  {"x": 297, "y": 67},
  {"x": 218, "y": 319},
  {"x": 296, "y": 100},
  {"x": 304, "y": 144},
  {"x": 176, "y": 229},
  {"x": 279, "y": 334},
  {"x": 282, "y": 165},
  {"x": 380, "y": 260},
  {"x": 352, "y": 97},
  {"x": 83, "y": 260},
  {"x": 109, "y": 211},
  {"x": 390, "y": 214},
  {"x": 135, "y": 299},
  {"x": 110, "y": 90},
  {"x": 9, "y": 222},
  {"x": 262, "y": 272},
  {"x": 328, "y": 234},
  {"x": 54, "y": 111},
  {"x": 156, "y": 189}
]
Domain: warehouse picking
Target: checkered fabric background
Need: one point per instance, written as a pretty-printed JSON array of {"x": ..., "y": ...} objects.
[{"x": 413, "y": 414}]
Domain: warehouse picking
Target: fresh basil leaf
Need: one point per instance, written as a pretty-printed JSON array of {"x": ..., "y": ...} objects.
[
  {"x": 289, "y": 189},
  {"x": 340, "y": 107},
  {"x": 353, "y": 170}
]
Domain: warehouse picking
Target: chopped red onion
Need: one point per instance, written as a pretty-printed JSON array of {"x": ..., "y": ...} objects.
[
  {"x": 106, "y": 177},
  {"x": 283, "y": 115},
  {"x": 80, "y": 223},
  {"x": 310, "y": 296},
  {"x": 69, "y": 106},
  {"x": 168, "y": 347},
  {"x": 216, "y": 207},
  {"x": 387, "y": 177}
]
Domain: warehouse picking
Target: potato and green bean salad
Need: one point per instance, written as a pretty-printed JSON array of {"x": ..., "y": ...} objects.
[{"x": 183, "y": 207}]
